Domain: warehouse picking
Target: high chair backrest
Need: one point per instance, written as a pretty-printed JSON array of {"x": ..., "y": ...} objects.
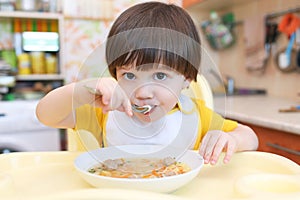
[
  {"x": 77, "y": 139},
  {"x": 199, "y": 90}
]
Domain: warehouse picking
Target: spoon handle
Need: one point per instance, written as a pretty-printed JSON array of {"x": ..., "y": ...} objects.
[{"x": 93, "y": 90}]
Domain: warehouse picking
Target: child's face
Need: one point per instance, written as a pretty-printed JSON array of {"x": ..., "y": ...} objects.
[{"x": 159, "y": 87}]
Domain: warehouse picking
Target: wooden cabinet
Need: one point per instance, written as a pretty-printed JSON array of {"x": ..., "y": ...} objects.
[
  {"x": 278, "y": 142},
  {"x": 209, "y": 5},
  {"x": 188, "y": 3}
]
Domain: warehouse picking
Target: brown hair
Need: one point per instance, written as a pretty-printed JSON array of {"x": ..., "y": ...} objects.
[{"x": 143, "y": 34}]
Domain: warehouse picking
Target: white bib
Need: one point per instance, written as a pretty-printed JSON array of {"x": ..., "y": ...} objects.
[{"x": 177, "y": 129}]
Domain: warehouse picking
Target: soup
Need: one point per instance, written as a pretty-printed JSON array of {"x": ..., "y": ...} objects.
[{"x": 140, "y": 168}]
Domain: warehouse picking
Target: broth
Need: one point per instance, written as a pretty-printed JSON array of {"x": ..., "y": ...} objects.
[{"x": 140, "y": 168}]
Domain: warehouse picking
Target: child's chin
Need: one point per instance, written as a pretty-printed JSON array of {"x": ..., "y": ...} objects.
[{"x": 151, "y": 117}]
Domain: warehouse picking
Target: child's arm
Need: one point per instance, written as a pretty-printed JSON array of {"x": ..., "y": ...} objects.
[
  {"x": 57, "y": 108},
  {"x": 214, "y": 142}
]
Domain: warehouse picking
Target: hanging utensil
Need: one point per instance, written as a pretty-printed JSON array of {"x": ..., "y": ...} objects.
[
  {"x": 298, "y": 48},
  {"x": 286, "y": 59}
]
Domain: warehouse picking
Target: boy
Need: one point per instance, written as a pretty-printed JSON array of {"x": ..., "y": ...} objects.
[{"x": 153, "y": 53}]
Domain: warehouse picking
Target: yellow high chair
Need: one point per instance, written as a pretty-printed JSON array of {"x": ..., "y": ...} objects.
[{"x": 198, "y": 90}]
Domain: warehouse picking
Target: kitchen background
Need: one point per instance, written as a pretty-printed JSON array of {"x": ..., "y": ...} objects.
[
  {"x": 250, "y": 29},
  {"x": 86, "y": 24},
  {"x": 82, "y": 25}
]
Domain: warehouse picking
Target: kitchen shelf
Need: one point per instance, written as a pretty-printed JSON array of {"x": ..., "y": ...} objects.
[
  {"x": 45, "y": 22},
  {"x": 34, "y": 77},
  {"x": 88, "y": 18},
  {"x": 189, "y": 3},
  {"x": 208, "y": 5},
  {"x": 31, "y": 15}
]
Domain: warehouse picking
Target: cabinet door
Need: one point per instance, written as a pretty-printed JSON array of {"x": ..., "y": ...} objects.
[
  {"x": 188, "y": 3},
  {"x": 278, "y": 142}
]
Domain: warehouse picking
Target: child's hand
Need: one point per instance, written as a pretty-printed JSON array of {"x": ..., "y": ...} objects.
[
  {"x": 213, "y": 144},
  {"x": 112, "y": 98}
]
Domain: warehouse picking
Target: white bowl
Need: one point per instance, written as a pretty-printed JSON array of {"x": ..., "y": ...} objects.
[{"x": 166, "y": 184}]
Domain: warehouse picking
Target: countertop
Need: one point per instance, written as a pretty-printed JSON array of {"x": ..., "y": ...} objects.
[
  {"x": 260, "y": 110},
  {"x": 22, "y": 112}
]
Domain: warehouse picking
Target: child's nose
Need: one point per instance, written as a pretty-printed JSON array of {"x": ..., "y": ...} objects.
[{"x": 144, "y": 92}]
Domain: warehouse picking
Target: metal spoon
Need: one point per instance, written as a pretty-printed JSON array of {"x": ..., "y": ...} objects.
[
  {"x": 139, "y": 109},
  {"x": 142, "y": 109}
]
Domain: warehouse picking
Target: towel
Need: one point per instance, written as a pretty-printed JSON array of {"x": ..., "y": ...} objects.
[
  {"x": 289, "y": 24},
  {"x": 254, "y": 34}
]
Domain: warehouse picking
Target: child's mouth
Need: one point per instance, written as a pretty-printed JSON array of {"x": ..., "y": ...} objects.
[{"x": 146, "y": 109}]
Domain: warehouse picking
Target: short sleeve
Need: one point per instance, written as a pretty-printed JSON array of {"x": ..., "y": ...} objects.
[
  {"x": 211, "y": 120},
  {"x": 90, "y": 118}
]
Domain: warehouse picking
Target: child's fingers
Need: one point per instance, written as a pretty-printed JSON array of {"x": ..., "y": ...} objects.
[
  {"x": 218, "y": 148},
  {"x": 208, "y": 145},
  {"x": 230, "y": 150},
  {"x": 105, "y": 100},
  {"x": 214, "y": 143},
  {"x": 203, "y": 145},
  {"x": 127, "y": 107},
  {"x": 106, "y": 97},
  {"x": 108, "y": 89},
  {"x": 98, "y": 102}
]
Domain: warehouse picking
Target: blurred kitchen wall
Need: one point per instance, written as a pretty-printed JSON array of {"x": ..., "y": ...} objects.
[
  {"x": 232, "y": 61},
  {"x": 87, "y": 23}
]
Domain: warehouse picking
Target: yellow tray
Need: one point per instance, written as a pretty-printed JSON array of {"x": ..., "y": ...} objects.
[{"x": 51, "y": 175}]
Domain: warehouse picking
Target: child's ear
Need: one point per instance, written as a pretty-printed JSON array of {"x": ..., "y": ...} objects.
[{"x": 186, "y": 83}]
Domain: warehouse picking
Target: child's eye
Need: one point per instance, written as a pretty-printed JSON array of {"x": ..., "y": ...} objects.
[
  {"x": 129, "y": 76},
  {"x": 160, "y": 76}
]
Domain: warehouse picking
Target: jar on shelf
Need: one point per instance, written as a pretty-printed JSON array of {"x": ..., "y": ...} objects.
[
  {"x": 51, "y": 64},
  {"x": 37, "y": 62},
  {"x": 27, "y": 5},
  {"x": 24, "y": 64}
]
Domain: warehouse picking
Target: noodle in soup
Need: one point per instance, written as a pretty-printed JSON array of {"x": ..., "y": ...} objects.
[{"x": 140, "y": 168}]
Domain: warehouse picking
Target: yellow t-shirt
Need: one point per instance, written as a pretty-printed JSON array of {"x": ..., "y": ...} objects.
[{"x": 94, "y": 121}]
